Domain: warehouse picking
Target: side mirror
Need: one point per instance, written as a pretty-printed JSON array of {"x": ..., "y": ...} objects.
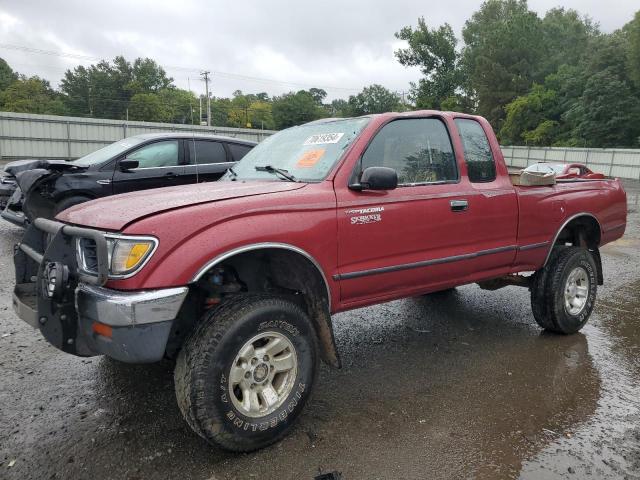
[
  {"x": 126, "y": 164},
  {"x": 377, "y": 178}
]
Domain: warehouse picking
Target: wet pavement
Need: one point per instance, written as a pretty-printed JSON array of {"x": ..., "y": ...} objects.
[{"x": 457, "y": 385}]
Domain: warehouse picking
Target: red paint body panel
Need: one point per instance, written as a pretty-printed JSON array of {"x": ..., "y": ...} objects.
[
  {"x": 116, "y": 212},
  {"x": 417, "y": 228}
]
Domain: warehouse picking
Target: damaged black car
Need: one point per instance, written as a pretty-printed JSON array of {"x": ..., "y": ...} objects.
[{"x": 31, "y": 189}]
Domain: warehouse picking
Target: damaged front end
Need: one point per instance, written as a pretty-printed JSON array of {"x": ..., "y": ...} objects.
[
  {"x": 26, "y": 195},
  {"x": 74, "y": 311},
  {"x": 8, "y": 186}
]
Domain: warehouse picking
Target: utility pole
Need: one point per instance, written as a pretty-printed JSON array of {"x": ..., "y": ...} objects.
[
  {"x": 205, "y": 75},
  {"x": 89, "y": 100}
]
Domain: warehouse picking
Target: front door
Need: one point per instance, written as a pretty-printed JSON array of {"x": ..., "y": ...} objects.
[
  {"x": 159, "y": 165},
  {"x": 391, "y": 243}
]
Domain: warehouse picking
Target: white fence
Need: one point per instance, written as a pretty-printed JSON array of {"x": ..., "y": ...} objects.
[
  {"x": 24, "y": 135},
  {"x": 613, "y": 162}
]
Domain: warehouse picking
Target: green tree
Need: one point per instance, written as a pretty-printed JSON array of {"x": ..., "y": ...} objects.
[
  {"x": 539, "y": 117},
  {"x": 238, "y": 114},
  {"x": 338, "y": 107},
  {"x": 180, "y": 105},
  {"x": 31, "y": 95},
  {"x": 146, "y": 76},
  {"x": 7, "y": 75},
  {"x": 105, "y": 89},
  {"x": 220, "y": 108},
  {"x": 567, "y": 37},
  {"x": 502, "y": 54},
  {"x": 374, "y": 99},
  {"x": 525, "y": 115},
  {"x": 633, "y": 51},
  {"x": 318, "y": 95},
  {"x": 147, "y": 107},
  {"x": 296, "y": 108},
  {"x": 261, "y": 115},
  {"x": 607, "y": 114},
  {"x": 100, "y": 90},
  {"x": 434, "y": 52}
]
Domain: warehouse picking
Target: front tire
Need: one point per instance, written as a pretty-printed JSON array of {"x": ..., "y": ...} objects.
[
  {"x": 563, "y": 293},
  {"x": 245, "y": 373}
]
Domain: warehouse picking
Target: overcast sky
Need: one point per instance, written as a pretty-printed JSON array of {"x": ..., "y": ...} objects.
[{"x": 339, "y": 45}]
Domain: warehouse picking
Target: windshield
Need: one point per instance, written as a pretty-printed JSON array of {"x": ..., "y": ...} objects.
[
  {"x": 305, "y": 153},
  {"x": 108, "y": 152}
]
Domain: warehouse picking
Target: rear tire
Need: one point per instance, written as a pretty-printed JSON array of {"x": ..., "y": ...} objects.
[
  {"x": 245, "y": 373},
  {"x": 563, "y": 293}
]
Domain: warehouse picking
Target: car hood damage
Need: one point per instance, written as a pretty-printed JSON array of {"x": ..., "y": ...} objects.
[
  {"x": 116, "y": 212},
  {"x": 28, "y": 176},
  {"x": 28, "y": 172}
]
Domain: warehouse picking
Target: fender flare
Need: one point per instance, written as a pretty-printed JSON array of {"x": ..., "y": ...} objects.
[
  {"x": 563, "y": 226},
  {"x": 262, "y": 246},
  {"x": 321, "y": 319}
]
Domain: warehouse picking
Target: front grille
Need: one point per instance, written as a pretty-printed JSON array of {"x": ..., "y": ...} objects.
[{"x": 88, "y": 251}]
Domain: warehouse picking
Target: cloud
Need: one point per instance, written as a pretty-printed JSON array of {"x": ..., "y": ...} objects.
[{"x": 334, "y": 43}]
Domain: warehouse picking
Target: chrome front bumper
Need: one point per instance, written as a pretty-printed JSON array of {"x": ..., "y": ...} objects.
[
  {"x": 128, "y": 309},
  {"x": 140, "y": 322}
]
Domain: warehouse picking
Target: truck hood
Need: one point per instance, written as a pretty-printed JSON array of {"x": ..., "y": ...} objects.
[{"x": 116, "y": 212}]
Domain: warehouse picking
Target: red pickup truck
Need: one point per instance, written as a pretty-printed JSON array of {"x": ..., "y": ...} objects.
[{"x": 238, "y": 279}]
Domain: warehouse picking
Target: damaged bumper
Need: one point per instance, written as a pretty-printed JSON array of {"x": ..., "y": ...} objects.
[
  {"x": 75, "y": 313},
  {"x": 11, "y": 206},
  {"x": 7, "y": 188}
]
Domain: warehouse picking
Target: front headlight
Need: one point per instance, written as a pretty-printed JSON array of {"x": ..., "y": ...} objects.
[
  {"x": 128, "y": 254},
  {"x": 125, "y": 254}
]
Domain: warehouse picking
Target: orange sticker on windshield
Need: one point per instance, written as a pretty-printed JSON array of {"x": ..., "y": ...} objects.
[{"x": 310, "y": 158}]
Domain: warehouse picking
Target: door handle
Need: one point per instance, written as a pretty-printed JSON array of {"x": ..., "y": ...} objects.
[
  {"x": 170, "y": 175},
  {"x": 459, "y": 205}
]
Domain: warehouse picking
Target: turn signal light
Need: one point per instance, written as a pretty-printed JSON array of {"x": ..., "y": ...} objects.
[{"x": 102, "y": 329}]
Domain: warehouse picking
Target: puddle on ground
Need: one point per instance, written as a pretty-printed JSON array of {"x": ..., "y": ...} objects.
[{"x": 608, "y": 444}]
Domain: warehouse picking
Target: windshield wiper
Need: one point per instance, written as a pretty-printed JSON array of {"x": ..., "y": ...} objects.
[
  {"x": 232, "y": 173},
  {"x": 278, "y": 171}
]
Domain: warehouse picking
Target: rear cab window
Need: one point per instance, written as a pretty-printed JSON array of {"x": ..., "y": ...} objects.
[
  {"x": 481, "y": 166},
  {"x": 418, "y": 149}
]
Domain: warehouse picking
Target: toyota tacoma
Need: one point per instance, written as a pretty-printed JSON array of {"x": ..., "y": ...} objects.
[{"x": 237, "y": 280}]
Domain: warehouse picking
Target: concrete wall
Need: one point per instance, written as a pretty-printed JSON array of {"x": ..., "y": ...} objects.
[{"x": 24, "y": 135}]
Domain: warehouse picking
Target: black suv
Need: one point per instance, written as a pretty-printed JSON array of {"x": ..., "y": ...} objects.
[{"x": 43, "y": 188}]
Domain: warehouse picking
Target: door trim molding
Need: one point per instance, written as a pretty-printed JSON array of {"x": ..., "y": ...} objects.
[{"x": 423, "y": 263}]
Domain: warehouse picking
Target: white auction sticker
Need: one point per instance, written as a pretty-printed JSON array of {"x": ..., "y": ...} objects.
[{"x": 323, "y": 138}]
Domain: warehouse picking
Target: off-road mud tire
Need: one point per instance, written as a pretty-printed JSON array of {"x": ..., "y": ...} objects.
[
  {"x": 548, "y": 290},
  {"x": 203, "y": 365}
]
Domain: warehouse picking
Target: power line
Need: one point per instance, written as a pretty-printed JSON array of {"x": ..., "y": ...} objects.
[
  {"x": 237, "y": 76},
  {"x": 205, "y": 75}
]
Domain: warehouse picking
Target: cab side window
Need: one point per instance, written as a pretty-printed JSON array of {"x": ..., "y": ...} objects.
[
  {"x": 418, "y": 149},
  {"x": 481, "y": 166},
  {"x": 159, "y": 154}
]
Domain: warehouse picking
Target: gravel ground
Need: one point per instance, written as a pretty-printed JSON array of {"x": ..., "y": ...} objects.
[{"x": 452, "y": 385}]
